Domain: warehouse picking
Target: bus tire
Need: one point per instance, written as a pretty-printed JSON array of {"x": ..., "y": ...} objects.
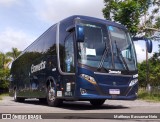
[
  {"x": 97, "y": 102},
  {"x": 51, "y": 97},
  {"x": 17, "y": 99}
]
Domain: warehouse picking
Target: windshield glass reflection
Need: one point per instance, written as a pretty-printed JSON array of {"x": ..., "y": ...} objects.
[{"x": 96, "y": 40}]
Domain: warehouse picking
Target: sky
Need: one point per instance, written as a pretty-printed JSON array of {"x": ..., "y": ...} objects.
[{"x": 22, "y": 21}]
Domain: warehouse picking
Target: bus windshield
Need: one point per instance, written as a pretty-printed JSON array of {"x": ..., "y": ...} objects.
[{"x": 108, "y": 46}]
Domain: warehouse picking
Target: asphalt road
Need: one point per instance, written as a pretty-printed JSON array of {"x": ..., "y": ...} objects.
[{"x": 83, "y": 109}]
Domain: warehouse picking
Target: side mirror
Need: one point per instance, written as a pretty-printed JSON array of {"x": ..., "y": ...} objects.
[
  {"x": 149, "y": 45},
  {"x": 79, "y": 33}
]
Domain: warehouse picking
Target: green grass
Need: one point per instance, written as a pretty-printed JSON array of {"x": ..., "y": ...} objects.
[
  {"x": 152, "y": 97},
  {"x": 2, "y": 95}
]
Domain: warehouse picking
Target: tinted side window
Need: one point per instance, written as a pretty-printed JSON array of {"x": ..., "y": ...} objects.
[{"x": 50, "y": 41}]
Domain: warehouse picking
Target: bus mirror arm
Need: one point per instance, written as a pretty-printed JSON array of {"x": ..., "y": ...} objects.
[
  {"x": 138, "y": 38},
  {"x": 148, "y": 42},
  {"x": 79, "y": 32},
  {"x": 70, "y": 28}
]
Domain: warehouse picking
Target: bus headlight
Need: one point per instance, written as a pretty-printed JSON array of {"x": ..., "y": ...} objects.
[
  {"x": 88, "y": 78},
  {"x": 133, "y": 82}
]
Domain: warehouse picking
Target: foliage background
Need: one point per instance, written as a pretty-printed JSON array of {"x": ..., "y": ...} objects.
[{"x": 5, "y": 62}]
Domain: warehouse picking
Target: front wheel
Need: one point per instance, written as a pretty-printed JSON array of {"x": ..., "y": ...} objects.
[
  {"x": 97, "y": 102},
  {"x": 51, "y": 98}
]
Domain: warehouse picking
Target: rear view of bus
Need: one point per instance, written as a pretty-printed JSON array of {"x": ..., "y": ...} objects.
[{"x": 107, "y": 65}]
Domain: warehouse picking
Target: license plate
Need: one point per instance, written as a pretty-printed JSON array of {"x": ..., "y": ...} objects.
[{"x": 114, "y": 91}]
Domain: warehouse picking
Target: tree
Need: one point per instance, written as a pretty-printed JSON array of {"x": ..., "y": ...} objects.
[
  {"x": 133, "y": 14},
  {"x": 4, "y": 61},
  {"x": 4, "y": 75},
  {"x": 157, "y": 23},
  {"x": 14, "y": 53},
  {"x": 4, "y": 71},
  {"x": 154, "y": 66}
]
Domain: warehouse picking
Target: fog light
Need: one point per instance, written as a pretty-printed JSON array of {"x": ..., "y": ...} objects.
[{"x": 83, "y": 91}]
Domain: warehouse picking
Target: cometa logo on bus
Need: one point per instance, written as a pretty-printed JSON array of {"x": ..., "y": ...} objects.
[
  {"x": 115, "y": 72},
  {"x": 38, "y": 67}
]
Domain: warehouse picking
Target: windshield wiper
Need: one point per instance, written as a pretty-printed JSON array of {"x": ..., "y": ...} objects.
[
  {"x": 120, "y": 55},
  {"x": 105, "y": 52}
]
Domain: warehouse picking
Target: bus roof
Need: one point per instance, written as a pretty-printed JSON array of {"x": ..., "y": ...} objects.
[{"x": 93, "y": 19}]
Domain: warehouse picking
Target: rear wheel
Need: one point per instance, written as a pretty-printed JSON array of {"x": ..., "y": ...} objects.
[
  {"x": 51, "y": 96},
  {"x": 97, "y": 102},
  {"x": 17, "y": 99}
]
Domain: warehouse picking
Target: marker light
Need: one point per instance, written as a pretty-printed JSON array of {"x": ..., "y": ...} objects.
[
  {"x": 133, "y": 82},
  {"x": 88, "y": 78}
]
